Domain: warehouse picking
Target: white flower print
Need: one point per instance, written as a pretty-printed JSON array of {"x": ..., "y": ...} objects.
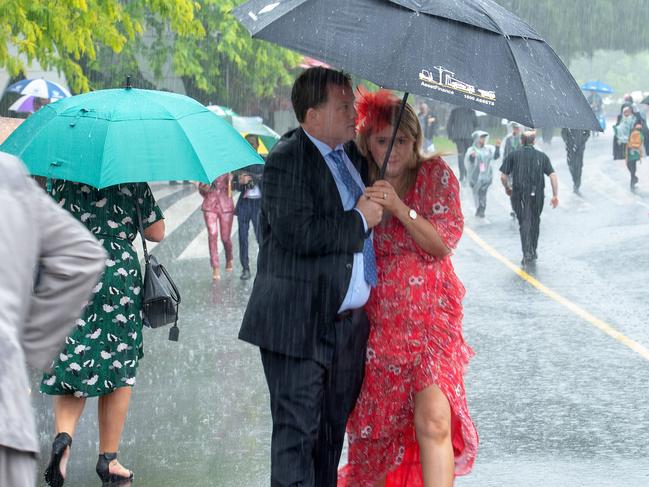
[
  {"x": 136, "y": 290},
  {"x": 120, "y": 318},
  {"x": 126, "y": 256},
  {"x": 126, "y": 220},
  {"x": 105, "y": 355},
  {"x": 85, "y": 216},
  {"x": 112, "y": 224},
  {"x": 75, "y": 366},
  {"x": 122, "y": 235},
  {"x": 92, "y": 381},
  {"x": 101, "y": 203},
  {"x": 124, "y": 300},
  {"x": 110, "y": 263},
  {"x": 63, "y": 357},
  {"x": 122, "y": 272},
  {"x": 79, "y": 349},
  {"x": 95, "y": 334},
  {"x": 51, "y": 381},
  {"x": 117, "y": 364},
  {"x": 130, "y": 381},
  {"x": 121, "y": 347},
  {"x": 107, "y": 308}
]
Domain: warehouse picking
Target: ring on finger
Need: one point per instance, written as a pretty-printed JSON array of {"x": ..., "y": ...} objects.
[{"x": 385, "y": 196}]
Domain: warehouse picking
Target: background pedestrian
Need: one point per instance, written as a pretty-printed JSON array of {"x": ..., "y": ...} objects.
[
  {"x": 249, "y": 182},
  {"x": 218, "y": 212},
  {"x": 527, "y": 168},
  {"x": 461, "y": 123},
  {"x": 103, "y": 351}
]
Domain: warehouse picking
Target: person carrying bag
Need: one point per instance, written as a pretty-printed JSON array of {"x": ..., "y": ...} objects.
[{"x": 160, "y": 297}]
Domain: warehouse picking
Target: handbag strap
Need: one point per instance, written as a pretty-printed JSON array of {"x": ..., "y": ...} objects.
[{"x": 141, "y": 229}]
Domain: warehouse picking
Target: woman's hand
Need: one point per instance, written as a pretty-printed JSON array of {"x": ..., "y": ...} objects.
[{"x": 385, "y": 195}]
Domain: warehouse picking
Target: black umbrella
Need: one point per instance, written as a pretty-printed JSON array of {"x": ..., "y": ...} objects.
[{"x": 464, "y": 52}]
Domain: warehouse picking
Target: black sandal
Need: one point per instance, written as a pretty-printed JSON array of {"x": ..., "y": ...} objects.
[
  {"x": 107, "y": 478},
  {"x": 53, "y": 476}
]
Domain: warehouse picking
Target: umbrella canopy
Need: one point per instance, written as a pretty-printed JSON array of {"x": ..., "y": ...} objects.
[
  {"x": 465, "y": 52},
  {"x": 41, "y": 88},
  {"x": 597, "y": 86},
  {"x": 128, "y": 135},
  {"x": 25, "y": 104}
]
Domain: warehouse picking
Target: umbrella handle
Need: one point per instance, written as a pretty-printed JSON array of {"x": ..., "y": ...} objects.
[
  {"x": 394, "y": 135},
  {"x": 48, "y": 183}
]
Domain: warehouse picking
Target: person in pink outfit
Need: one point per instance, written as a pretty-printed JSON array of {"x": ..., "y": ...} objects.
[
  {"x": 218, "y": 210},
  {"x": 411, "y": 426}
]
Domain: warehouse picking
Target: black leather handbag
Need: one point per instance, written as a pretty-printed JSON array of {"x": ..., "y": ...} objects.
[{"x": 160, "y": 296}]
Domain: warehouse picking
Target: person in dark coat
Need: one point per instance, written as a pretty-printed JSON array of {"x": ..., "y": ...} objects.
[
  {"x": 527, "y": 168},
  {"x": 462, "y": 122},
  {"x": 315, "y": 270},
  {"x": 575, "y": 140},
  {"x": 249, "y": 181}
]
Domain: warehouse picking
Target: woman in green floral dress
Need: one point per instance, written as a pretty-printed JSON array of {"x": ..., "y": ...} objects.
[{"x": 102, "y": 353}]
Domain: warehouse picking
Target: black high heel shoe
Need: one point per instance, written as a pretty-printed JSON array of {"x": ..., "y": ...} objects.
[
  {"x": 53, "y": 476},
  {"x": 103, "y": 471}
]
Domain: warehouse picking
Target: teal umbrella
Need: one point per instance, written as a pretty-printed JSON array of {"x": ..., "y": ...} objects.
[{"x": 128, "y": 135}]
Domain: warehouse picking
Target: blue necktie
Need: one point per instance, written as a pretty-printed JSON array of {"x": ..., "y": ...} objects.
[{"x": 369, "y": 259}]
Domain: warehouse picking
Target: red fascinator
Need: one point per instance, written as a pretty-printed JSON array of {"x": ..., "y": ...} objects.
[{"x": 375, "y": 110}]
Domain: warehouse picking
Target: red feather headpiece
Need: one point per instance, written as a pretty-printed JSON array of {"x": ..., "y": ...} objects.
[{"x": 375, "y": 110}]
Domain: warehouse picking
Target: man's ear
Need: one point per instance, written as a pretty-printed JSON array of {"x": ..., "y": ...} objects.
[{"x": 312, "y": 117}]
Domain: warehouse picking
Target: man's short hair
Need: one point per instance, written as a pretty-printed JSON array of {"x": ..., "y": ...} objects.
[
  {"x": 528, "y": 137},
  {"x": 310, "y": 88}
]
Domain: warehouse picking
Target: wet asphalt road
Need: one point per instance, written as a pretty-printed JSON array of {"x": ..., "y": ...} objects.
[{"x": 556, "y": 401}]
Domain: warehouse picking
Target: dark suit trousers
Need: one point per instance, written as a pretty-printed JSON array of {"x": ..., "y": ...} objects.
[
  {"x": 528, "y": 211},
  {"x": 575, "y": 164},
  {"x": 311, "y": 400},
  {"x": 248, "y": 211},
  {"x": 462, "y": 146}
]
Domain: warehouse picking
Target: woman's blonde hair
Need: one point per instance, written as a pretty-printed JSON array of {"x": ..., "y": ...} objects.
[{"x": 378, "y": 110}]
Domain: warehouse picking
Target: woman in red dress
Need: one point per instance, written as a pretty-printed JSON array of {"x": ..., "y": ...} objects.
[{"x": 411, "y": 425}]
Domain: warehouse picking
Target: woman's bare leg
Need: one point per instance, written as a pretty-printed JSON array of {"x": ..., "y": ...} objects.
[
  {"x": 112, "y": 412},
  {"x": 67, "y": 411},
  {"x": 433, "y": 427}
]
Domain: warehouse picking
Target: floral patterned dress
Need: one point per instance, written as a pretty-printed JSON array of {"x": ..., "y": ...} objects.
[
  {"x": 415, "y": 341},
  {"x": 103, "y": 350}
]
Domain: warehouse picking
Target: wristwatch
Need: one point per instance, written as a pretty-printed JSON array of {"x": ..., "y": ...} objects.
[{"x": 412, "y": 214}]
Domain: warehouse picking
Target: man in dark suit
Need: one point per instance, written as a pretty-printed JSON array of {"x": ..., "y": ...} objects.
[
  {"x": 248, "y": 180},
  {"x": 315, "y": 271}
]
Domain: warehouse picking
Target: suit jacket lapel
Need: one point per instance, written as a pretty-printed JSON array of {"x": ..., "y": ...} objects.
[{"x": 321, "y": 172}]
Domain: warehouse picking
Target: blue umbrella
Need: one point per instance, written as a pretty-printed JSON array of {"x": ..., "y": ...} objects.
[
  {"x": 597, "y": 86},
  {"x": 41, "y": 88}
]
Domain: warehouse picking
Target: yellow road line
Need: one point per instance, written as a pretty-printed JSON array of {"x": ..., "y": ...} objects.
[{"x": 582, "y": 313}]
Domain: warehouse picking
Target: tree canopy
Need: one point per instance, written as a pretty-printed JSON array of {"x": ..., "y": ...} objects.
[{"x": 66, "y": 34}]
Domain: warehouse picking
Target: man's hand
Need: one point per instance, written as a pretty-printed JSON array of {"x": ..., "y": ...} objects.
[
  {"x": 372, "y": 212},
  {"x": 554, "y": 202}
]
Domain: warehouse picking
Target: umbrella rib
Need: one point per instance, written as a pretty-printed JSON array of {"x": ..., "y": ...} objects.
[{"x": 194, "y": 152}]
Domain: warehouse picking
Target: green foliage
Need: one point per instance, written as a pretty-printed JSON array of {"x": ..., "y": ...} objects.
[
  {"x": 582, "y": 27},
  {"x": 225, "y": 66},
  {"x": 66, "y": 34}
]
